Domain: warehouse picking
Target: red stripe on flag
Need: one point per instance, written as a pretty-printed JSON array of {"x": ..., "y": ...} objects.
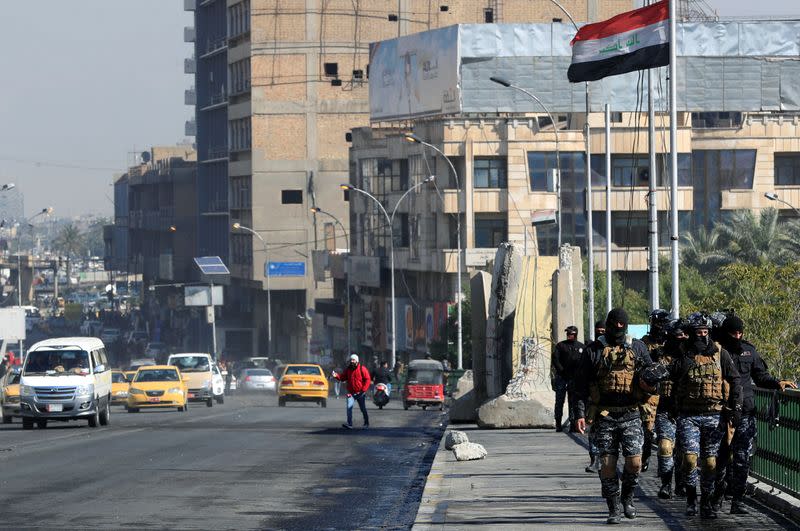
[{"x": 623, "y": 22}]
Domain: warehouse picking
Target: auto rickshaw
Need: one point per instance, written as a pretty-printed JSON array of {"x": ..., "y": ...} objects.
[{"x": 424, "y": 385}]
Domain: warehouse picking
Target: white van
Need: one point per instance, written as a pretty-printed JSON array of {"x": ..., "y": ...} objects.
[
  {"x": 64, "y": 379},
  {"x": 198, "y": 368}
]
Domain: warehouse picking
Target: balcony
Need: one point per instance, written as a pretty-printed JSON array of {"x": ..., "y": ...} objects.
[
  {"x": 189, "y": 34},
  {"x": 189, "y": 5},
  {"x": 189, "y": 65},
  {"x": 214, "y": 101},
  {"x": 215, "y": 45},
  {"x": 190, "y": 128},
  {"x": 190, "y": 96}
]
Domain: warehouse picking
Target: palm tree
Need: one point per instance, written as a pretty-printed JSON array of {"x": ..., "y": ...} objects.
[
  {"x": 704, "y": 250},
  {"x": 752, "y": 239},
  {"x": 791, "y": 238},
  {"x": 69, "y": 242}
]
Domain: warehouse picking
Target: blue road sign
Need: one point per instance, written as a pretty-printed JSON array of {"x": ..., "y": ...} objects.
[
  {"x": 287, "y": 269},
  {"x": 211, "y": 265}
]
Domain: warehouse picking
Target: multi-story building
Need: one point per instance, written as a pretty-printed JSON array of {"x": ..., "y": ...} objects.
[
  {"x": 506, "y": 163},
  {"x": 278, "y": 87},
  {"x": 12, "y": 206}
]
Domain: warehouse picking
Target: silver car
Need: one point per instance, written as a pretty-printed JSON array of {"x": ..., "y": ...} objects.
[{"x": 257, "y": 380}]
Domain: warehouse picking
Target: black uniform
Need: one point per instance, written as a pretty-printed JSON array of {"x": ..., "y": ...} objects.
[{"x": 565, "y": 361}]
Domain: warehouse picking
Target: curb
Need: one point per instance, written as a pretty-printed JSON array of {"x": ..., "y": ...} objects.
[
  {"x": 774, "y": 498},
  {"x": 430, "y": 512}
]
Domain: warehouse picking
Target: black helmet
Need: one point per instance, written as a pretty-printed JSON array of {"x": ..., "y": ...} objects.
[
  {"x": 675, "y": 326},
  {"x": 654, "y": 373},
  {"x": 659, "y": 316},
  {"x": 572, "y": 329},
  {"x": 698, "y": 320},
  {"x": 717, "y": 318}
]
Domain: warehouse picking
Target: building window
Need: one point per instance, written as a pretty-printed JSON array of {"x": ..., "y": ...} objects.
[
  {"x": 542, "y": 166},
  {"x": 787, "y": 169},
  {"x": 239, "y": 76},
  {"x": 239, "y": 19},
  {"x": 488, "y": 16},
  {"x": 394, "y": 171},
  {"x": 726, "y": 169},
  {"x": 627, "y": 170},
  {"x": 490, "y": 173},
  {"x": 400, "y": 231},
  {"x": 346, "y": 195},
  {"x": 490, "y": 231},
  {"x": 292, "y": 197},
  {"x": 239, "y": 138},
  {"x": 716, "y": 120}
]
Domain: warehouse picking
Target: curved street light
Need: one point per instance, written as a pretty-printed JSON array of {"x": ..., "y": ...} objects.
[
  {"x": 772, "y": 196},
  {"x": 317, "y": 210},
  {"x": 239, "y": 226},
  {"x": 417, "y": 140},
  {"x": 390, "y": 220}
]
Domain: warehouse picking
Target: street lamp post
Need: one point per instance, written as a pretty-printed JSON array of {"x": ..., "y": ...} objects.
[
  {"x": 317, "y": 210},
  {"x": 508, "y": 84},
  {"x": 43, "y": 212},
  {"x": 772, "y": 196},
  {"x": 239, "y": 226},
  {"x": 390, "y": 221},
  {"x": 460, "y": 347}
]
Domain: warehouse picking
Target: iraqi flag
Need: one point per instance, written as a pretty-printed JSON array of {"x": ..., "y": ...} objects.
[{"x": 635, "y": 40}]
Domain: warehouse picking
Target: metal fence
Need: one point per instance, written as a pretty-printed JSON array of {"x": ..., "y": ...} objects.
[{"x": 777, "y": 458}]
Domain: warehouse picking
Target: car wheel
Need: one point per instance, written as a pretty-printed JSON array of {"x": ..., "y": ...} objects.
[
  {"x": 41, "y": 424},
  {"x": 105, "y": 416},
  {"x": 441, "y": 407},
  {"x": 133, "y": 410},
  {"x": 7, "y": 420},
  {"x": 27, "y": 423},
  {"x": 210, "y": 402},
  {"x": 186, "y": 407},
  {"x": 281, "y": 402},
  {"x": 323, "y": 402},
  {"x": 405, "y": 405},
  {"x": 220, "y": 399},
  {"x": 424, "y": 408},
  {"x": 180, "y": 408},
  {"x": 94, "y": 420}
]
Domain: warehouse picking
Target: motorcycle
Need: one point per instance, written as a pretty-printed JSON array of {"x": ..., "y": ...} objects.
[{"x": 381, "y": 395}]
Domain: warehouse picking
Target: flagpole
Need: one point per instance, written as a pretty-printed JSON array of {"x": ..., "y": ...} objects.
[
  {"x": 652, "y": 204},
  {"x": 609, "y": 300},
  {"x": 673, "y": 144}
]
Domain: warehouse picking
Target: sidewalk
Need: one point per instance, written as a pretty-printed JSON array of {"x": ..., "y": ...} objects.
[{"x": 536, "y": 479}]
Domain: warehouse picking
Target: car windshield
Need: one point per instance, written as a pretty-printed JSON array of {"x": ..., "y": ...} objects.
[
  {"x": 190, "y": 363},
  {"x": 258, "y": 362},
  {"x": 118, "y": 377},
  {"x": 157, "y": 375},
  {"x": 57, "y": 362},
  {"x": 424, "y": 377},
  {"x": 258, "y": 372},
  {"x": 303, "y": 371}
]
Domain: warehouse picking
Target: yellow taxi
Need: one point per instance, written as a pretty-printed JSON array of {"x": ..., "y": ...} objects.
[
  {"x": 158, "y": 386},
  {"x": 129, "y": 375},
  {"x": 9, "y": 395},
  {"x": 303, "y": 383},
  {"x": 119, "y": 387}
]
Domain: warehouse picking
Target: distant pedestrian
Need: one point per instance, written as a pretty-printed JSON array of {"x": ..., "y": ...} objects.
[
  {"x": 358, "y": 382},
  {"x": 566, "y": 360}
]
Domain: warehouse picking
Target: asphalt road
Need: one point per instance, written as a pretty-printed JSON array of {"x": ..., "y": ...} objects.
[{"x": 246, "y": 464}]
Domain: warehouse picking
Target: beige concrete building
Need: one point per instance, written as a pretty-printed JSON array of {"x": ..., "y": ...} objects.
[
  {"x": 296, "y": 76},
  {"x": 727, "y": 161}
]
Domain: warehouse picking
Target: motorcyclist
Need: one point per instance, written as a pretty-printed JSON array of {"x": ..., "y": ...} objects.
[{"x": 383, "y": 374}]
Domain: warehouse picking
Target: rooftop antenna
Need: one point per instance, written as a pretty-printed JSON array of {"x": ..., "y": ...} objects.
[{"x": 696, "y": 11}]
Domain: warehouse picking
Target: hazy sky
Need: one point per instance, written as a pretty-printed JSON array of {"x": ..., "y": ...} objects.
[{"x": 85, "y": 82}]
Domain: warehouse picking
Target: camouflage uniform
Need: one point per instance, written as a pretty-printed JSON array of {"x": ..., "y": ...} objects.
[
  {"x": 704, "y": 381},
  {"x": 609, "y": 378},
  {"x": 665, "y": 425},
  {"x": 650, "y": 407}
]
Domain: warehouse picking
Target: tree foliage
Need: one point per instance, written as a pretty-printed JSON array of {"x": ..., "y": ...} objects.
[{"x": 446, "y": 347}]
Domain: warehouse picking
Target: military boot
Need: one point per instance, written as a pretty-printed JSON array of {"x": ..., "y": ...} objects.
[
  {"x": 594, "y": 465},
  {"x": 718, "y": 497},
  {"x": 627, "y": 503},
  {"x": 665, "y": 492},
  {"x": 614, "y": 516},
  {"x": 680, "y": 490},
  {"x": 691, "y": 501},
  {"x": 559, "y": 425},
  {"x": 707, "y": 511},
  {"x": 737, "y": 506}
]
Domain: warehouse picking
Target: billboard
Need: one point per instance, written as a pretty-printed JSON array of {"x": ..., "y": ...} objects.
[
  {"x": 286, "y": 269},
  {"x": 365, "y": 271},
  {"x": 202, "y": 296},
  {"x": 12, "y": 324},
  {"x": 415, "y": 75}
]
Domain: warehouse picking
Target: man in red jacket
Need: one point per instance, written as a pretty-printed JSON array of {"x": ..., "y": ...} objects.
[{"x": 358, "y": 382}]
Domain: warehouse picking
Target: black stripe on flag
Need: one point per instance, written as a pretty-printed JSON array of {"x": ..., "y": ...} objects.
[{"x": 644, "y": 58}]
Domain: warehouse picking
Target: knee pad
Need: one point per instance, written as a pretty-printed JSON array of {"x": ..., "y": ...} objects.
[
  {"x": 709, "y": 465},
  {"x": 665, "y": 448},
  {"x": 608, "y": 467},
  {"x": 689, "y": 462},
  {"x": 633, "y": 464}
]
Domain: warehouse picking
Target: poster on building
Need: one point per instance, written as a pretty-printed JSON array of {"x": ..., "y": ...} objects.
[
  {"x": 409, "y": 319},
  {"x": 415, "y": 75}
]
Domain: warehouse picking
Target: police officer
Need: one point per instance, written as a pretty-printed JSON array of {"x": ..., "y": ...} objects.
[
  {"x": 609, "y": 377},
  {"x": 705, "y": 381},
  {"x": 653, "y": 340},
  {"x": 665, "y": 421},
  {"x": 566, "y": 358},
  {"x": 594, "y": 460},
  {"x": 752, "y": 369}
]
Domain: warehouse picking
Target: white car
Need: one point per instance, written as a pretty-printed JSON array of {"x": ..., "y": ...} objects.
[
  {"x": 110, "y": 335},
  {"x": 255, "y": 380},
  {"x": 217, "y": 384},
  {"x": 64, "y": 379}
]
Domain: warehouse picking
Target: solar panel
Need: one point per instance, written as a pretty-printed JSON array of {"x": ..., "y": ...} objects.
[{"x": 211, "y": 265}]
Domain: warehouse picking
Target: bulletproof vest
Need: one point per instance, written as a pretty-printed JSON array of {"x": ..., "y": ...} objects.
[
  {"x": 702, "y": 387},
  {"x": 617, "y": 367},
  {"x": 665, "y": 387}
]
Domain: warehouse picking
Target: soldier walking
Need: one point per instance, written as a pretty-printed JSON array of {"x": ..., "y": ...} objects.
[
  {"x": 609, "y": 377},
  {"x": 566, "y": 359},
  {"x": 705, "y": 381},
  {"x": 653, "y": 340},
  {"x": 752, "y": 369}
]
